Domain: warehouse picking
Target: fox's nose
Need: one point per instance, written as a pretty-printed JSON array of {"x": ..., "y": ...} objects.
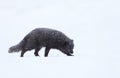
[{"x": 72, "y": 52}]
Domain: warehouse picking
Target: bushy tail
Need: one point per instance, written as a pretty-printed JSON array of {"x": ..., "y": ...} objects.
[{"x": 17, "y": 47}]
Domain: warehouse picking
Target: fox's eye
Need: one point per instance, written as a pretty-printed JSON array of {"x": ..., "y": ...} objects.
[{"x": 66, "y": 43}]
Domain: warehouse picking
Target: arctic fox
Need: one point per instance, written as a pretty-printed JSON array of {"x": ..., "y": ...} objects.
[{"x": 44, "y": 37}]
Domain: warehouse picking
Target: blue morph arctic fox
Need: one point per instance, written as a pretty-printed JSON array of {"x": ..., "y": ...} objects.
[{"x": 44, "y": 37}]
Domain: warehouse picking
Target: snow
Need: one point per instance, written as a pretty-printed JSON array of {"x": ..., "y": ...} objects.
[{"x": 92, "y": 24}]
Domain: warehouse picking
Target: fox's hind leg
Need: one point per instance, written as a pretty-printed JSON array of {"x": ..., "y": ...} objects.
[
  {"x": 22, "y": 53},
  {"x": 36, "y": 51}
]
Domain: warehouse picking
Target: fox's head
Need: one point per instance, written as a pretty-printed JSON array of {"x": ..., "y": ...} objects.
[{"x": 67, "y": 47}]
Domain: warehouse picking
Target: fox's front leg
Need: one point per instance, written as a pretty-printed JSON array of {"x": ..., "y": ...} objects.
[{"x": 47, "y": 51}]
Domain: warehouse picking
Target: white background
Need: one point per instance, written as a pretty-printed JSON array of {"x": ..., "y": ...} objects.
[{"x": 94, "y": 25}]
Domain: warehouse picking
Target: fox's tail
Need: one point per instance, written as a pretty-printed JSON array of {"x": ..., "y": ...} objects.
[{"x": 17, "y": 47}]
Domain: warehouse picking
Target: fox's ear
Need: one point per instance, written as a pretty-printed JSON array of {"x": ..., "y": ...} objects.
[{"x": 71, "y": 40}]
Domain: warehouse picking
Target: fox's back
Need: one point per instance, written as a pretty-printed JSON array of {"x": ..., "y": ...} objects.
[{"x": 47, "y": 37}]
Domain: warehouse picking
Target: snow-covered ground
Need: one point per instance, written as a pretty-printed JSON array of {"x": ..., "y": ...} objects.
[{"x": 94, "y": 25}]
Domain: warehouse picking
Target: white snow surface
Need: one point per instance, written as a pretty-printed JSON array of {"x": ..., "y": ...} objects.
[{"x": 94, "y": 25}]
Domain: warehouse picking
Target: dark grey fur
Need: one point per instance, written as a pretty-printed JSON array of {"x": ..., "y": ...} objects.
[{"x": 44, "y": 37}]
